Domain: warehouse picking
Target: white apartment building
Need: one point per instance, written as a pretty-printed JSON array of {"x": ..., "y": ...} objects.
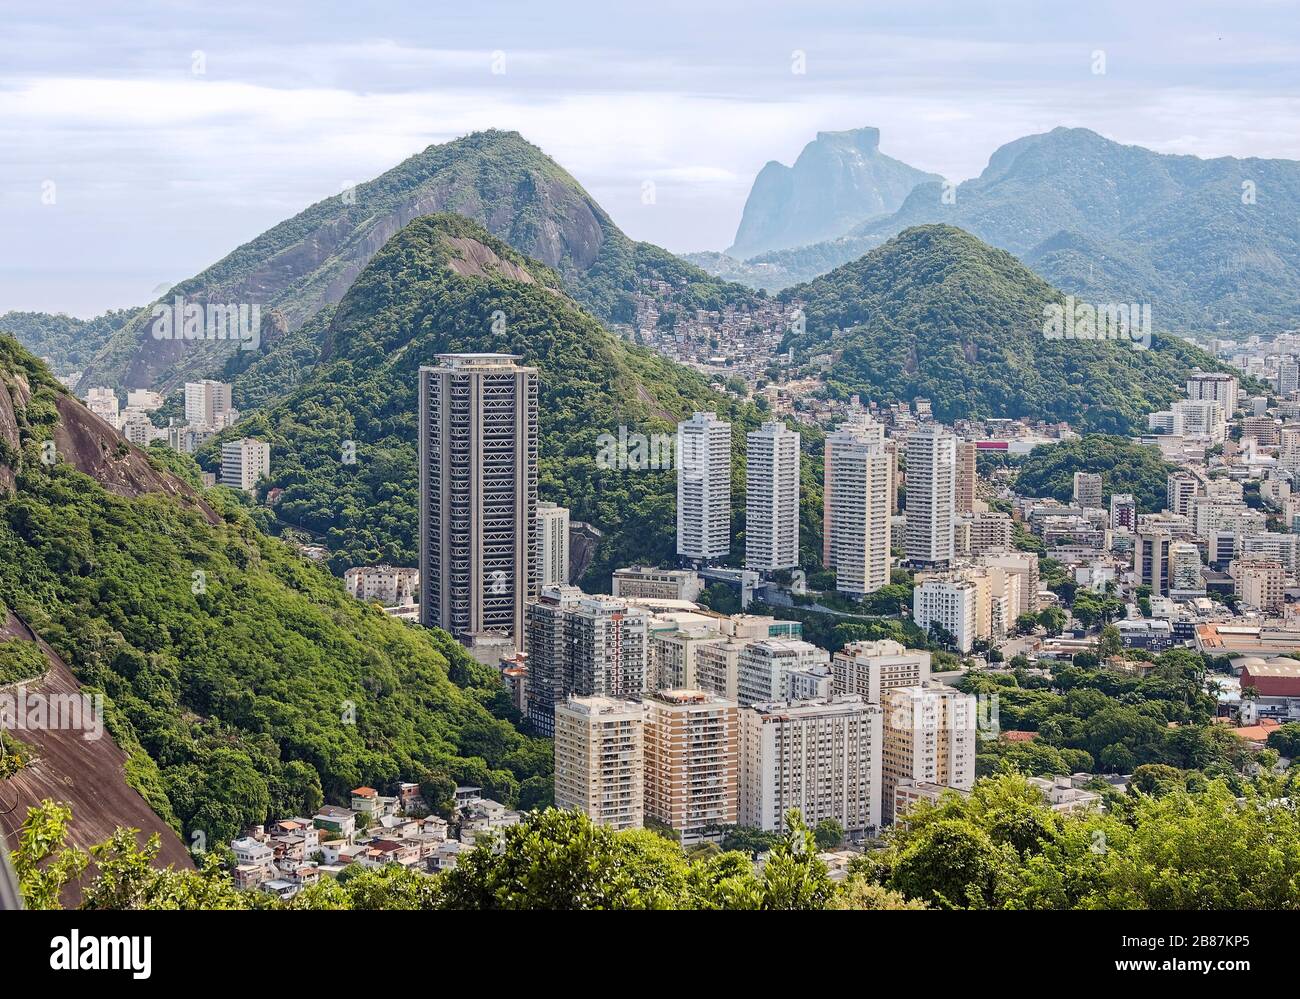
[
  {"x": 952, "y": 604},
  {"x": 870, "y": 668},
  {"x": 822, "y": 757},
  {"x": 206, "y": 402},
  {"x": 137, "y": 428},
  {"x": 600, "y": 760},
  {"x": 552, "y": 544},
  {"x": 1185, "y": 579},
  {"x": 243, "y": 462},
  {"x": 766, "y": 668},
  {"x": 102, "y": 401},
  {"x": 1284, "y": 548},
  {"x": 931, "y": 482},
  {"x": 1179, "y": 489},
  {"x": 703, "y": 487},
  {"x": 643, "y": 583},
  {"x": 929, "y": 737},
  {"x": 144, "y": 400},
  {"x": 387, "y": 585},
  {"x": 772, "y": 498},
  {"x": 1220, "y": 388},
  {"x": 858, "y": 486}
]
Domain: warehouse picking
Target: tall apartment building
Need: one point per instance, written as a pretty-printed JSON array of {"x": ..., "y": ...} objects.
[
  {"x": 552, "y": 544},
  {"x": 207, "y": 402},
  {"x": 600, "y": 760},
  {"x": 929, "y": 737},
  {"x": 1151, "y": 560},
  {"x": 777, "y": 669},
  {"x": 703, "y": 487},
  {"x": 1220, "y": 388},
  {"x": 772, "y": 498},
  {"x": 870, "y": 668},
  {"x": 1087, "y": 489},
  {"x": 478, "y": 495},
  {"x": 547, "y": 641},
  {"x": 966, "y": 477},
  {"x": 692, "y": 770},
  {"x": 102, "y": 401},
  {"x": 1123, "y": 512},
  {"x": 587, "y": 646},
  {"x": 821, "y": 757},
  {"x": 950, "y": 603},
  {"x": 931, "y": 473},
  {"x": 243, "y": 462},
  {"x": 1185, "y": 579},
  {"x": 1179, "y": 489},
  {"x": 1288, "y": 376},
  {"x": 857, "y": 485}
]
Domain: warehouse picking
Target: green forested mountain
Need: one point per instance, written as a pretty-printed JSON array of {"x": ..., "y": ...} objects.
[
  {"x": 937, "y": 313},
  {"x": 443, "y": 284},
  {"x": 241, "y": 679},
  {"x": 1124, "y": 467},
  {"x": 1212, "y": 245},
  {"x": 66, "y": 342},
  {"x": 308, "y": 262}
]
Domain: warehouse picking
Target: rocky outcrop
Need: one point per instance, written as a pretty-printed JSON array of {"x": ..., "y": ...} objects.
[
  {"x": 839, "y": 180},
  {"x": 87, "y": 774}
]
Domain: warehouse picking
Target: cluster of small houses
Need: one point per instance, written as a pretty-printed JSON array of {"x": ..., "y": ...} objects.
[{"x": 378, "y": 830}]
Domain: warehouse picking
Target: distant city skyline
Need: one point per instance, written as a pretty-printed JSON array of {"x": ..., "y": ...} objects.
[{"x": 174, "y": 134}]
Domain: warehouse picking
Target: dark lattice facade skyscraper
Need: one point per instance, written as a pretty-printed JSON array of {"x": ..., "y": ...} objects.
[{"x": 478, "y": 495}]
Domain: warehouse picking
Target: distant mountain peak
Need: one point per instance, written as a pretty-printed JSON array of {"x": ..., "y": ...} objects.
[
  {"x": 866, "y": 138},
  {"x": 838, "y": 181}
]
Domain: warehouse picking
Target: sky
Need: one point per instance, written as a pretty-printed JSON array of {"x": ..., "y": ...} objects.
[{"x": 140, "y": 145}]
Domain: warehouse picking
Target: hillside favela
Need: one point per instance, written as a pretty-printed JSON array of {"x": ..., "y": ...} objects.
[{"x": 829, "y": 456}]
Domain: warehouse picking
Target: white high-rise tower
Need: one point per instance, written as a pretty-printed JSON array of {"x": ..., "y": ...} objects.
[
  {"x": 772, "y": 498},
  {"x": 931, "y": 481},
  {"x": 703, "y": 487},
  {"x": 857, "y": 491}
]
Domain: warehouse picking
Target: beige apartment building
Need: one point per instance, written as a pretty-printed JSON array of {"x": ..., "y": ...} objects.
[
  {"x": 929, "y": 737},
  {"x": 870, "y": 668},
  {"x": 1260, "y": 583},
  {"x": 600, "y": 760},
  {"x": 966, "y": 477},
  {"x": 691, "y": 762}
]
